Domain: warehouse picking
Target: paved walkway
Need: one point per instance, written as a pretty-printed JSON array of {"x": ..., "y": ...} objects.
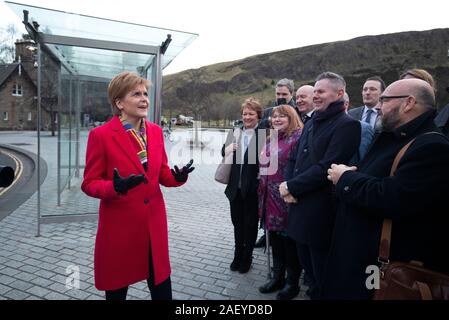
[{"x": 200, "y": 234}]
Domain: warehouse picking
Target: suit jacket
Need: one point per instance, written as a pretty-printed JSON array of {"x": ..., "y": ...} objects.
[
  {"x": 248, "y": 171},
  {"x": 415, "y": 199},
  {"x": 336, "y": 137},
  {"x": 133, "y": 225},
  {"x": 357, "y": 114},
  {"x": 305, "y": 118},
  {"x": 366, "y": 138},
  {"x": 442, "y": 120}
]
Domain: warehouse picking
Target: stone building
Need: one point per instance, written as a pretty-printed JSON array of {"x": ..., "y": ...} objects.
[{"x": 18, "y": 92}]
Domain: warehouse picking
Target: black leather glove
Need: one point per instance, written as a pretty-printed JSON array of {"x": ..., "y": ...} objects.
[
  {"x": 122, "y": 185},
  {"x": 181, "y": 175}
]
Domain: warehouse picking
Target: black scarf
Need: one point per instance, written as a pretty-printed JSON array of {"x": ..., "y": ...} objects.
[{"x": 332, "y": 110}]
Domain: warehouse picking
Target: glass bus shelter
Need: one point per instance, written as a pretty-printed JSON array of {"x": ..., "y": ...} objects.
[{"x": 76, "y": 56}]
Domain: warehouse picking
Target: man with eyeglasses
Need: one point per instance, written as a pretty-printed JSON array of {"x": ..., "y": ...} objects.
[
  {"x": 369, "y": 113},
  {"x": 415, "y": 198}
]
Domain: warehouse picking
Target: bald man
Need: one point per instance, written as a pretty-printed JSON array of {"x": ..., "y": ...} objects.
[
  {"x": 304, "y": 102},
  {"x": 415, "y": 198}
]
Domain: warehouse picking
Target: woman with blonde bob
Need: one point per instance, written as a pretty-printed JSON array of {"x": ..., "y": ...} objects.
[
  {"x": 286, "y": 131},
  {"x": 125, "y": 165}
]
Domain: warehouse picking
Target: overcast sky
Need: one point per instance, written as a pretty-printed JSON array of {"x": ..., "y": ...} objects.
[{"x": 234, "y": 29}]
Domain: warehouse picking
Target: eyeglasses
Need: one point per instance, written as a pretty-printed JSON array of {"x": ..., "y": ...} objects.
[{"x": 383, "y": 99}]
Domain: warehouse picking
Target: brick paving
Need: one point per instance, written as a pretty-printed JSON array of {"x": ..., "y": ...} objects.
[{"x": 200, "y": 234}]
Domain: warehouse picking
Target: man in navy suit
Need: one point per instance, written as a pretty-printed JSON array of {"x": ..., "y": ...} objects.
[
  {"x": 369, "y": 113},
  {"x": 330, "y": 135}
]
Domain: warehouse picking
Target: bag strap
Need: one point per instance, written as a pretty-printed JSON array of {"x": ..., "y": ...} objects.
[{"x": 385, "y": 238}]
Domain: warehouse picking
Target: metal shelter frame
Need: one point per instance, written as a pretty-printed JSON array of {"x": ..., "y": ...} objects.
[{"x": 51, "y": 45}]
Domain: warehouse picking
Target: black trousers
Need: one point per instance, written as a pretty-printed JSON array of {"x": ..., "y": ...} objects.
[
  {"x": 162, "y": 291},
  {"x": 314, "y": 262},
  {"x": 245, "y": 218},
  {"x": 285, "y": 257}
]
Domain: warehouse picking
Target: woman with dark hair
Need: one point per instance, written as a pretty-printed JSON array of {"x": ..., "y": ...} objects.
[{"x": 125, "y": 163}]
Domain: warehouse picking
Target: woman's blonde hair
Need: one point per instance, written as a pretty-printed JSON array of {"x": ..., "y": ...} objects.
[
  {"x": 252, "y": 104},
  {"x": 294, "y": 122},
  {"x": 422, "y": 75},
  {"x": 121, "y": 84}
]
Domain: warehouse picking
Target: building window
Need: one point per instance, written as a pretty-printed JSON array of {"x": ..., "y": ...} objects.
[
  {"x": 17, "y": 90},
  {"x": 5, "y": 116},
  {"x": 30, "y": 116}
]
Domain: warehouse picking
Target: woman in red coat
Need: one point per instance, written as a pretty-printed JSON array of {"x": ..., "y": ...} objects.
[{"x": 125, "y": 163}]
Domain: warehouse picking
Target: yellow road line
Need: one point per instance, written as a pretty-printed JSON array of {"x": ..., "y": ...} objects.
[{"x": 17, "y": 174}]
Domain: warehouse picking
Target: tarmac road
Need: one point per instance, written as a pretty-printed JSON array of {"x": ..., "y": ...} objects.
[{"x": 25, "y": 181}]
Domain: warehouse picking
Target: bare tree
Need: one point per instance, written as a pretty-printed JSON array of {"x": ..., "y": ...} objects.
[
  {"x": 49, "y": 88},
  {"x": 7, "y": 38},
  {"x": 170, "y": 103},
  {"x": 232, "y": 109},
  {"x": 193, "y": 93}
]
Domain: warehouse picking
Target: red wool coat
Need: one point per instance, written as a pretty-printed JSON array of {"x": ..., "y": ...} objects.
[{"x": 133, "y": 225}]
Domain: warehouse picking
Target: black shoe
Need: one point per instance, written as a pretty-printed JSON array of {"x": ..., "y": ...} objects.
[
  {"x": 288, "y": 292},
  {"x": 245, "y": 265},
  {"x": 272, "y": 285},
  {"x": 307, "y": 279},
  {"x": 235, "y": 265},
  {"x": 261, "y": 243}
]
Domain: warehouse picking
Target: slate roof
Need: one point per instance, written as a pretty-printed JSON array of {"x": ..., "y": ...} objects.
[{"x": 6, "y": 70}]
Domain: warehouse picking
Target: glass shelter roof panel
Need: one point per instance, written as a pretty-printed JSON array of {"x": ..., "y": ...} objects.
[
  {"x": 60, "y": 23},
  {"x": 100, "y": 63}
]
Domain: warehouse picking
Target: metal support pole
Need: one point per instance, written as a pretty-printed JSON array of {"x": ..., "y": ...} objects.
[
  {"x": 58, "y": 182},
  {"x": 158, "y": 89},
  {"x": 39, "y": 70},
  {"x": 77, "y": 133}
]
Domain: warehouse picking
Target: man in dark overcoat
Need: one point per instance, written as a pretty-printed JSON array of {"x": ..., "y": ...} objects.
[
  {"x": 330, "y": 135},
  {"x": 415, "y": 198}
]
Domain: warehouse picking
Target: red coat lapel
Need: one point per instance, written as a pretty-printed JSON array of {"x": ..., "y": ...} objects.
[
  {"x": 153, "y": 142},
  {"x": 124, "y": 144}
]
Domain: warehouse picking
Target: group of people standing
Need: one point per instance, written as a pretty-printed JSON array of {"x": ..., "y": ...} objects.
[
  {"x": 317, "y": 177},
  {"x": 323, "y": 205}
]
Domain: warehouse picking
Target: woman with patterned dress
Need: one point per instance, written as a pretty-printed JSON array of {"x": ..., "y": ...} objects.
[{"x": 273, "y": 209}]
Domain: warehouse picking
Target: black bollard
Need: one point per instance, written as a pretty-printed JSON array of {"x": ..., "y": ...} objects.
[{"x": 6, "y": 176}]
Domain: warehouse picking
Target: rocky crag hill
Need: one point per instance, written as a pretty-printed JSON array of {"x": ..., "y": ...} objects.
[{"x": 216, "y": 91}]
